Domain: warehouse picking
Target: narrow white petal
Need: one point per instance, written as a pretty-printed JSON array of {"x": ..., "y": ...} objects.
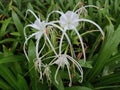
[
  {"x": 25, "y": 51},
  {"x": 60, "y": 46},
  {"x": 32, "y": 13},
  {"x": 41, "y": 49},
  {"x": 70, "y": 84},
  {"x": 55, "y": 25},
  {"x": 61, "y": 13},
  {"x": 88, "y": 32},
  {"x": 56, "y": 74},
  {"x": 86, "y": 6},
  {"x": 37, "y": 48},
  {"x": 30, "y": 36},
  {"x": 99, "y": 28},
  {"x": 29, "y": 25},
  {"x": 50, "y": 44},
  {"x": 81, "y": 41},
  {"x": 72, "y": 50},
  {"x": 63, "y": 31},
  {"x": 77, "y": 65},
  {"x": 26, "y": 43}
]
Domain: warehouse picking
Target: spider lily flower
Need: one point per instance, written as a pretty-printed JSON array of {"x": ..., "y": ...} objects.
[
  {"x": 41, "y": 27},
  {"x": 63, "y": 31},
  {"x": 69, "y": 21},
  {"x": 62, "y": 61}
]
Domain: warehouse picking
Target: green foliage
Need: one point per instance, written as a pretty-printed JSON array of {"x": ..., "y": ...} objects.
[{"x": 101, "y": 71}]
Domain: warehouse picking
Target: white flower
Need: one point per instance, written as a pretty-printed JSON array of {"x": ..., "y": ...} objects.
[
  {"x": 41, "y": 27},
  {"x": 62, "y": 61},
  {"x": 69, "y": 20}
]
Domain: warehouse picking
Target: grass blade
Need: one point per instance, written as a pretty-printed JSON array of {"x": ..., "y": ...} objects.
[
  {"x": 109, "y": 46},
  {"x": 17, "y": 23}
]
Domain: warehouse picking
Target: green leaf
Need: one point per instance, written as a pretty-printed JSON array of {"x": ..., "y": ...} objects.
[
  {"x": 6, "y": 52},
  {"x": 39, "y": 3},
  {"x": 19, "y": 13},
  {"x": 15, "y": 33},
  {"x": 17, "y": 23},
  {"x": 60, "y": 85},
  {"x": 11, "y": 58},
  {"x": 108, "y": 79},
  {"x": 111, "y": 42},
  {"x": 8, "y": 76},
  {"x": 7, "y": 40},
  {"x": 114, "y": 59},
  {"x": 34, "y": 78},
  {"x": 78, "y": 88},
  {"x": 4, "y": 27},
  {"x": 110, "y": 87},
  {"x": 4, "y": 85},
  {"x": 22, "y": 84},
  {"x": 87, "y": 64},
  {"x": 18, "y": 2},
  {"x": 116, "y": 6}
]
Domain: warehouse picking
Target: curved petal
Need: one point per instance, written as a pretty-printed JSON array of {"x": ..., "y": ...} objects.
[
  {"x": 81, "y": 41},
  {"x": 37, "y": 48},
  {"x": 41, "y": 49},
  {"x": 61, "y": 13},
  {"x": 29, "y": 25},
  {"x": 72, "y": 50},
  {"x": 26, "y": 43},
  {"x": 77, "y": 65},
  {"x": 69, "y": 20},
  {"x": 70, "y": 84},
  {"x": 86, "y": 6},
  {"x": 56, "y": 74},
  {"x": 50, "y": 44},
  {"x": 99, "y": 28},
  {"x": 88, "y": 32},
  {"x": 63, "y": 31},
  {"x": 60, "y": 46},
  {"x": 32, "y": 13}
]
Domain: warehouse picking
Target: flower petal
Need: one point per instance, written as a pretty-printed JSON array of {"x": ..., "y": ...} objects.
[{"x": 99, "y": 28}]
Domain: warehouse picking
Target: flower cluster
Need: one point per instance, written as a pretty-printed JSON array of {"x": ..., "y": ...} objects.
[{"x": 67, "y": 21}]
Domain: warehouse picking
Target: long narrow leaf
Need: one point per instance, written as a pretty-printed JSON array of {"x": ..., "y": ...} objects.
[
  {"x": 7, "y": 75},
  {"x": 17, "y": 23},
  {"x": 107, "y": 50},
  {"x": 33, "y": 74},
  {"x": 4, "y": 27}
]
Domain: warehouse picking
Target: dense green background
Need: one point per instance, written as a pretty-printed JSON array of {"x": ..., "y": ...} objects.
[{"x": 17, "y": 74}]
